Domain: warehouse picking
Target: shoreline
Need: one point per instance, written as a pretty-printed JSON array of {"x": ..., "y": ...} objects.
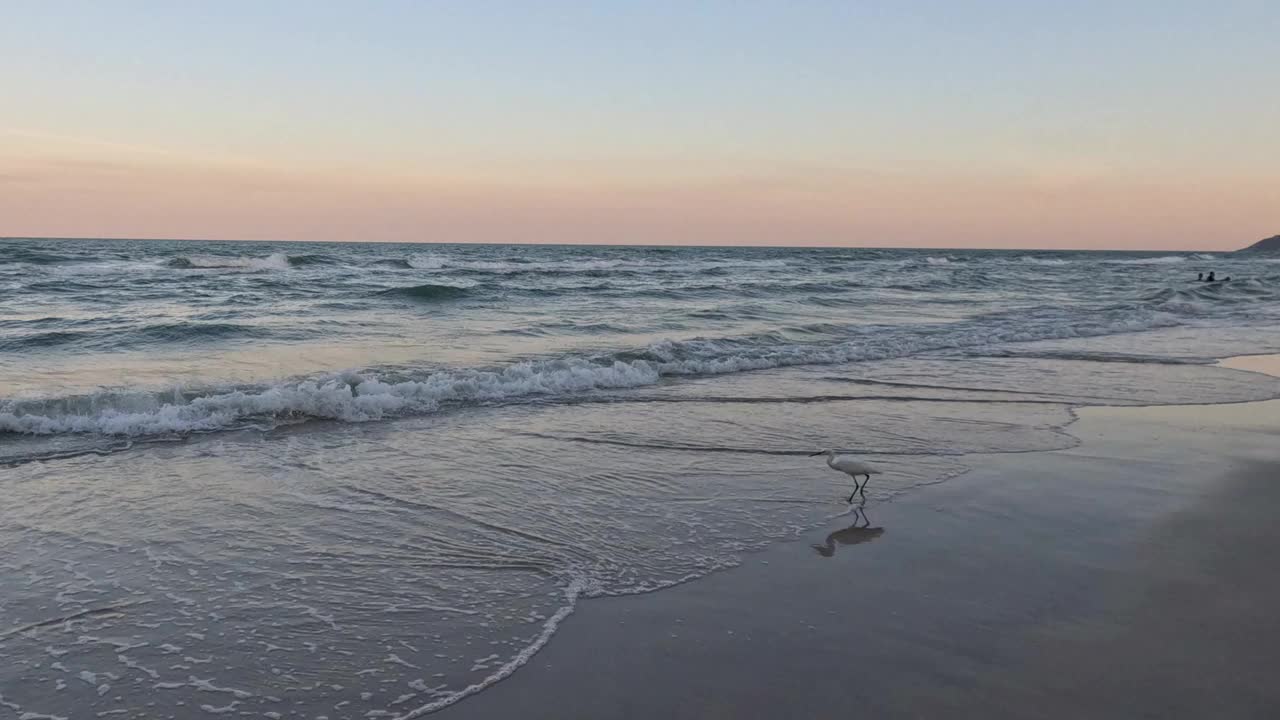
[
  {"x": 942, "y": 590},
  {"x": 1060, "y": 548}
]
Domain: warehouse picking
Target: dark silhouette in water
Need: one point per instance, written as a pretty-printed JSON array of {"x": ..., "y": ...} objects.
[
  {"x": 1210, "y": 278},
  {"x": 855, "y": 534},
  {"x": 1200, "y": 277}
]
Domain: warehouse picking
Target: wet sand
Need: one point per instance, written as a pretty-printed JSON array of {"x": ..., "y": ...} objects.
[
  {"x": 1132, "y": 576},
  {"x": 1265, "y": 364}
]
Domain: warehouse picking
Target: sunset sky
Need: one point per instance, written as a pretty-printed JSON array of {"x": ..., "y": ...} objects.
[{"x": 1128, "y": 125}]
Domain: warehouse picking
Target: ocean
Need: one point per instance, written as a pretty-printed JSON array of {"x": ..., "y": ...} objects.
[{"x": 369, "y": 480}]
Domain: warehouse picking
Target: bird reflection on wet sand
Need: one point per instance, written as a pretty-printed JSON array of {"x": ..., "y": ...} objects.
[{"x": 859, "y": 532}]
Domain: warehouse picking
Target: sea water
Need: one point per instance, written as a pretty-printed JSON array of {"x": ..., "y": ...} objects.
[{"x": 365, "y": 480}]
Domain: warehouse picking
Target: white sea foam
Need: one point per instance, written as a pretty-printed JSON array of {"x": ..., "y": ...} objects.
[
  {"x": 1162, "y": 260},
  {"x": 356, "y": 397},
  {"x": 351, "y": 398},
  {"x": 572, "y": 592},
  {"x": 275, "y": 261},
  {"x": 100, "y": 267},
  {"x": 1032, "y": 260},
  {"x": 426, "y": 261},
  {"x": 431, "y": 261}
]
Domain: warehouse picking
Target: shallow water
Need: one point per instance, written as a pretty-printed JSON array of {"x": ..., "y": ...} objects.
[{"x": 288, "y": 479}]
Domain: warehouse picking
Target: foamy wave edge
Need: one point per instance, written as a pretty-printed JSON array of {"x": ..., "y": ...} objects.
[
  {"x": 364, "y": 397},
  {"x": 572, "y": 593},
  {"x": 1161, "y": 260},
  {"x": 578, "y": 588},
  {"x": 275, "y": 261}
]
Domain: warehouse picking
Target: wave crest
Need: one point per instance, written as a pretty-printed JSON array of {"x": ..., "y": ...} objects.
[
  {"x": 356, "y": 397},
  {"x": 1053, "y": 262},
  {"x": 428, "y": 292},
  {"x": 1162, "y": 260},
  {"x": 275, "y": 261}
]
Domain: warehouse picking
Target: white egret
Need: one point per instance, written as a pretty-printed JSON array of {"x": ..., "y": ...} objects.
[{"x": 852, "y": 467}]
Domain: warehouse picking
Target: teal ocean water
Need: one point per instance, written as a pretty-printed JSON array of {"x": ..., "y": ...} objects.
[{"x": 366, "y": 480}]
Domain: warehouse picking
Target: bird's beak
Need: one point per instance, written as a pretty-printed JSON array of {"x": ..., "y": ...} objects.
[{"x": 817, "y": 453}]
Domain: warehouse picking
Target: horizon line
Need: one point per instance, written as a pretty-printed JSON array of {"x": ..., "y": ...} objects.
[{"x": 6, "y": 238}]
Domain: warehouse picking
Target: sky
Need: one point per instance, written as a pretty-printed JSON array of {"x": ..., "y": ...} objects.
[{"x": 1130, "y": 125}]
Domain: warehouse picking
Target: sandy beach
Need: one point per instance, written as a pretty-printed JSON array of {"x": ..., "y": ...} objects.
[{"x": 1131, "y": 576}]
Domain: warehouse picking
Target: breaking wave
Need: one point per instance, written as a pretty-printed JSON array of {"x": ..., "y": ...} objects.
[
  {"x": 588, "y": 266},
  {"x": 428, "y": 292},
  {"x": 1162, "y": 260},
  {"x": 1049, "y": 262},
  {"x": 362, "y": 397},
  {"x": 275, "y": 261}
]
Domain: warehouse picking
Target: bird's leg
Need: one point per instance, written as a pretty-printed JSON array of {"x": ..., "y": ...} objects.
[
  {"x": 864, "y": 487},
  {"x": 866, "y": 521},
  {"x": 855, "y": 492}
]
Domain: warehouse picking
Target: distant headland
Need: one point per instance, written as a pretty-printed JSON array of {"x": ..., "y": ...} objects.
[{"x": 1271, "y": 243}]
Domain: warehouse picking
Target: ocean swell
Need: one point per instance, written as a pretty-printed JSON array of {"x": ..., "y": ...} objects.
[
  {"x": 362, "y": 397},
  {"x": 1162, "y": 260},
  {"x": 428, "y": 292},
  {"x": 275, "y": 261}
]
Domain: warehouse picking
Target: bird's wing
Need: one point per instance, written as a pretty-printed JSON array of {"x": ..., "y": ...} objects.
[{"x": 850, "y": 465}]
